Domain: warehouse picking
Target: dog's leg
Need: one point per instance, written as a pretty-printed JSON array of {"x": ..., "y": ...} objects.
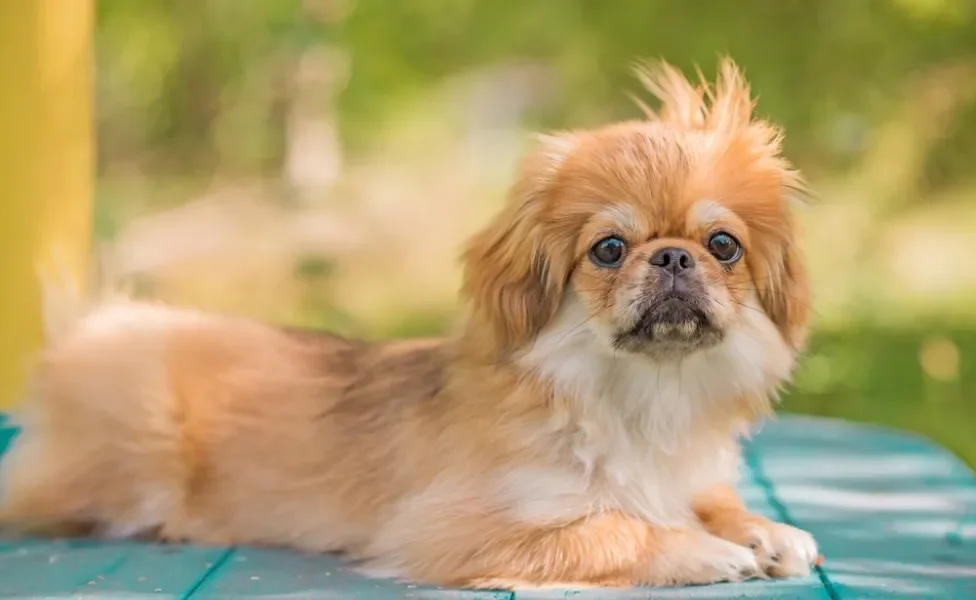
[
  {"x": 610, "y": 549},
  {"x": 782, "y": 550}
]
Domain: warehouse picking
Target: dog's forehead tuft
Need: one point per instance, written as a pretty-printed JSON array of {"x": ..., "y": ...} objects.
[
  {"x": 652, "y": 179},
  {"x": 629, "y": 162}
]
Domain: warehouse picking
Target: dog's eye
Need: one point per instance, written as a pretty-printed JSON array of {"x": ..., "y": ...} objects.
[
  {"x": 608, "y": 252},
  {"x": 725, "y": 248}
]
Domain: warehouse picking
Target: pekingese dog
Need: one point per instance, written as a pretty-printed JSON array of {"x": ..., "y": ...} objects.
[{"x": 632, "y": 310}]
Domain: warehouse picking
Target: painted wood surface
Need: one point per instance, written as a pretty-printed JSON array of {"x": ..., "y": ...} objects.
[
  {"x": 46, "y": 166},
  {"x": 894, "y": 514}
]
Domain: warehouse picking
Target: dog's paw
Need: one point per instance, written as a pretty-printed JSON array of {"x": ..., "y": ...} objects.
[
  {"x": 701, "y": 559},
  {"x": 782, "y": 550}
]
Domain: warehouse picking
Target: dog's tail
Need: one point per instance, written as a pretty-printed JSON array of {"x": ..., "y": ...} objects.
[{"x": 67, "y": 296}]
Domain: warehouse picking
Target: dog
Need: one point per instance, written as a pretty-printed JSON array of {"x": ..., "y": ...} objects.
[{"x": 631, "y": 312}]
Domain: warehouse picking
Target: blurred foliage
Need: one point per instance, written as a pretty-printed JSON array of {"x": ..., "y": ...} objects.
[
  {"x": 204, "y": 98},
  {"x": 882, "y": 375},
  {"x": 174, "y": 72}
]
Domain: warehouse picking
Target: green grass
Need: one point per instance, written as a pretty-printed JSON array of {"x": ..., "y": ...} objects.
[{"x": 875, "y": 375}]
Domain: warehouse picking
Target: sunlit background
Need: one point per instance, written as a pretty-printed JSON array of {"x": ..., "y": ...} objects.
[{"x": 319, "y": 163}]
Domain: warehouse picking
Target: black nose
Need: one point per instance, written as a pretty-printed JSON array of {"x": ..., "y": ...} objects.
[{"x": 672, "y": 259}]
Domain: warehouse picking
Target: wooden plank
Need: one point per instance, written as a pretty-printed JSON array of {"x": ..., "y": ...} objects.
[
  {"x": 756, "y": 496},
  {"x": 44, "y": 568},
  {"x": 257, "y": 573},
  {"x": 73, "y": 568},
  {"x": 38, "y": 568},
  {"x": 798, "y": 589},
  {"x": 152, "y": 569},
  {"x": 6, "y": 433},
  {"x": 887, "y": 508},
  {"x": 31, "y": 568},
  {"x": 893, "y": 514}
]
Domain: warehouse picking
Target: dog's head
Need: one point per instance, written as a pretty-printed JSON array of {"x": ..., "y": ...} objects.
[{"x": 667, "y": 235}]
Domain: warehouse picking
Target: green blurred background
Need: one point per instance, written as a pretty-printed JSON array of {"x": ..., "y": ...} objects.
[{"x": 319, "y": 162}]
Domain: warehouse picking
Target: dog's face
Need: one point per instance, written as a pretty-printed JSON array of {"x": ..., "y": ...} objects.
[
  {"x": 671, "y": 232},
  {"x": 661, "y": 263}
]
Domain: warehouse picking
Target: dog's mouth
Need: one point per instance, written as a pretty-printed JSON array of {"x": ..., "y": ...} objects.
[{"x": 672, "y": 323}]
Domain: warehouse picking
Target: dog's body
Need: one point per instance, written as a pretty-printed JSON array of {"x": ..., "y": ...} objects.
[{"x": 561, "y": 438}]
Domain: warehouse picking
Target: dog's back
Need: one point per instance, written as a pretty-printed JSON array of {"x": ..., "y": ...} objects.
[{"x": 143, "y": 418}]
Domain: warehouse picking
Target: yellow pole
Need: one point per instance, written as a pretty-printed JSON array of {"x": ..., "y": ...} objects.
[{"x": 45, "y": 164}]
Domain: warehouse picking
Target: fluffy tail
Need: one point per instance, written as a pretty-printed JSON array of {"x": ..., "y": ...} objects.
[
  {"x": 66, "y": 298},
  {"x": 41, "y": 482}
]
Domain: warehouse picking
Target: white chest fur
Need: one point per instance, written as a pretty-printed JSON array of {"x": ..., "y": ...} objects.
[{"x": 633, "y": 435}]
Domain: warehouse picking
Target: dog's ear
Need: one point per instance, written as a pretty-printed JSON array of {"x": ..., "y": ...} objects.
[
  {"x": 516, "y": 269},
  {"x": 784, "y": 288}
]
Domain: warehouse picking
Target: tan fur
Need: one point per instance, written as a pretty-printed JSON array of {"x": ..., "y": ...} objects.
[
  {"x": 526, "y": 450},
  {"x": 782, "y": 550}
]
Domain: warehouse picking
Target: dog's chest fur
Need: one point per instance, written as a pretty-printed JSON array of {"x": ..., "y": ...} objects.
[
  {"x": 649, "y": 463},
  {"x": 634, "y": 436}
]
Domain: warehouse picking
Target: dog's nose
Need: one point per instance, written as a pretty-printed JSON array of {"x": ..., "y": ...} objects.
[{"x": 674, "y": 260}]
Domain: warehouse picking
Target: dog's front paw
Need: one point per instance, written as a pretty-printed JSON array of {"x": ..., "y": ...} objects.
[
  {"x": 697, "y": 558},
  {"x": 782, "y": 550}
]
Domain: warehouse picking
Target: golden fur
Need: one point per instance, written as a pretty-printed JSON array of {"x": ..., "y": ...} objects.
[{"x": 537, "y": 447}]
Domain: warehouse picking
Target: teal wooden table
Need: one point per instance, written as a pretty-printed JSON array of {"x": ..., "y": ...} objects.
[{"x": 894, "y": 514}]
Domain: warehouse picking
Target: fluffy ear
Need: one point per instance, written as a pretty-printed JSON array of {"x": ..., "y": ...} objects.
[
  {"x": 515, "y": 270},
  {"x": 784, "y": 290}
]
